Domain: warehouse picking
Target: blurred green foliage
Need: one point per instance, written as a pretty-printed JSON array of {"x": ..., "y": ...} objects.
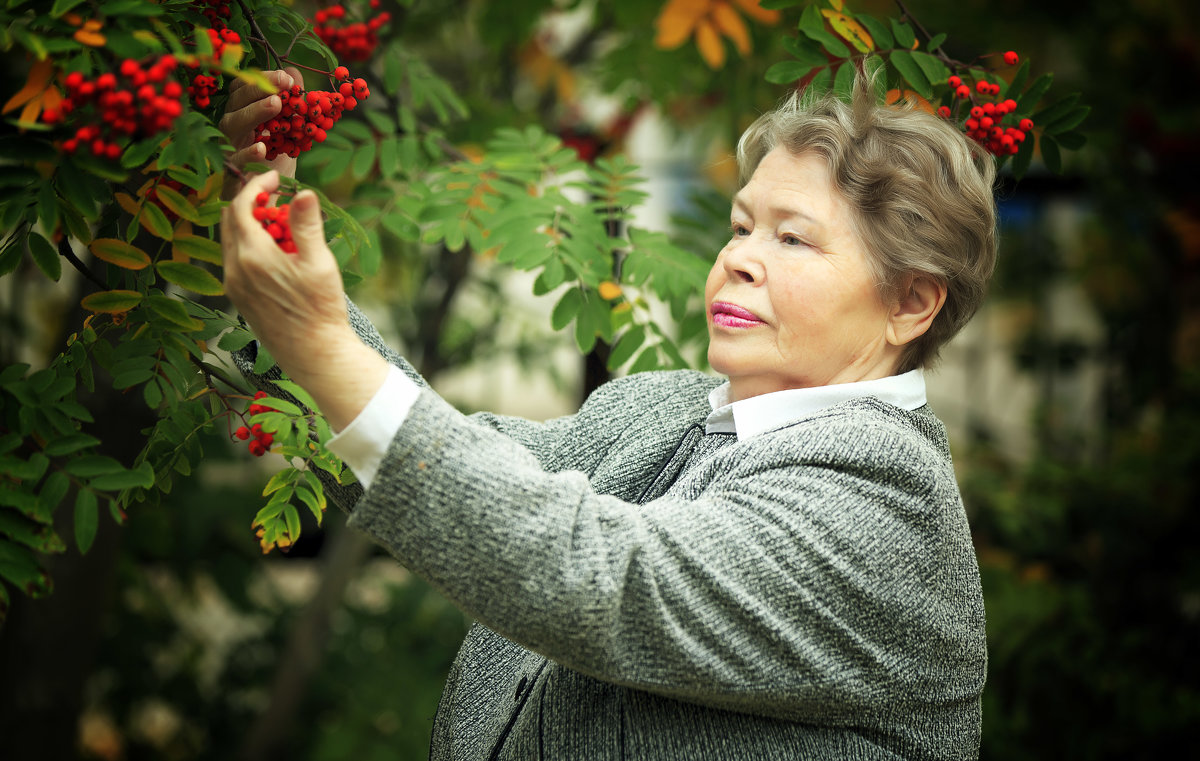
[{"x": 1085, "y": 544}]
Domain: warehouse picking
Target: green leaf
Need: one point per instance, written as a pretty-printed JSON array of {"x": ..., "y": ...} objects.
[
  {"x": 364, "y": 160},
  {"x": 1071, "y": 141},
  {"x": 812, "y": 24},
  {"x": 1050, "y": 153},
  {"x": 904, "y": 34},
  {"x": 62, "y": 6},
  {"x": 878, "y": 31},
  {"x": 19, "y": 567},
  {"x": 933, "y": 68},
  {"x": 911, "y": 72},
  {"x": 235, "y": 339},
  {"x": 174, "y": 201},
  {"x": 45, "y": 256},
  {"x": 69, "y": 444},
  {"x": 198, "y": 247},
  {"x": 786, "y": 72},
  {"x": 1019, "y": 79},
  {"x": 141, "y": 476},
  {"x": 626, "y": 346},
  {"x": 843, "y": 83},
  {"x": 1024, "y": 155},
  {"x": 86, "y": 519},
  {"x": 1028, "y": 99},
  {"x": 280, "y": 480},
  {"x": 173, "y": 312},
  {"x": 566, "y": 309},
  {"x": 936, "y": 42},
  {"x": 153, "y": 219},
  {"x": 1067, "y": 121},
  {"x": 93, "y": 465},
  {"x": 281, "y": 405},
  {"x": 191, "y": 277}
]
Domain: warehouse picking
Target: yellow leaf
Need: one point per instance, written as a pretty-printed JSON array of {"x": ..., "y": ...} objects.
[
  {"x": 609, "y": 290},
  {"x": 39, "y": 77},
  {"x": 710, "y": 45},
  {"x": 90, "y": 37},
  {"x": 731, "y": 24},
  {"x": 677, "y": 21},
  {"x": 111, "y": 302},
  {"x": 126, "y": 202},
  {"x": 850, "y": 30},
  {"x": 759, "y": 14},
  {"x": 837, "y": 4},
  {"x": 119, "y": 253}
]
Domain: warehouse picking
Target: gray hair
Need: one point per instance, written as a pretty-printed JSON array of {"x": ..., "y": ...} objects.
[{"x": 920, "y": 193}]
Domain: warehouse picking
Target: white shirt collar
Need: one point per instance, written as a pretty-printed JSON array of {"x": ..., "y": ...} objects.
[{"x": 766, "y": 412}]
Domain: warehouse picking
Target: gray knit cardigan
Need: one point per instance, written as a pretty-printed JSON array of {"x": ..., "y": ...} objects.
[{"x": 643, "y": 590}]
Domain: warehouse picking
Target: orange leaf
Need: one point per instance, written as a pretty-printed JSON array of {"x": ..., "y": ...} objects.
[
  {"x": 732, "y": 26},
  {"x": 39, "y": 76},
  {"x": 710, "y": 45},
  {"x": 90, "y": 37},
  {"x": 126, "y": 202},
  {"x": 29, "y": 114},
  {"x": 761, "y": 15},
  {"x": 910, "y": 96},
  {"x": 609, "y": 290},
  {"x": 677, "y": 21}
]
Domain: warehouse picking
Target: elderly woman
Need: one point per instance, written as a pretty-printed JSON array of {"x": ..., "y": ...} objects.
[{"x": 775, "y": 564}]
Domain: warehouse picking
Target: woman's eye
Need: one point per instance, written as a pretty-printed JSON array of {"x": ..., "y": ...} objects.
[
  {"x": 792, "y": 240},
  {"x": 739, "y": 231}
]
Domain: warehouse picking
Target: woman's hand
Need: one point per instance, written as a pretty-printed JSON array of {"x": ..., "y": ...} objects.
[
  {"x": 248, "y": 107},
  {"x": 295, "y": 303}
]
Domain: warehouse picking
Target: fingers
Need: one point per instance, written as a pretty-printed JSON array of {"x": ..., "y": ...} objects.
[
  {"x": 239, "y": 125},
  {"x": 308, "y": 229},
  {"x": 243, "y": 93}
]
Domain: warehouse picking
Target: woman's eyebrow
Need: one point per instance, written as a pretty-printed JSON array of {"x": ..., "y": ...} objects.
[{"x": 782, "y": 212}]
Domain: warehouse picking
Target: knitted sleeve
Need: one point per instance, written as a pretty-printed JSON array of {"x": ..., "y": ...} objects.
[{"x": 811, "y": 578}]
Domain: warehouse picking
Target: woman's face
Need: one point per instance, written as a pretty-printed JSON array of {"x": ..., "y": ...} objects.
[{"x": 791, "y": 300}]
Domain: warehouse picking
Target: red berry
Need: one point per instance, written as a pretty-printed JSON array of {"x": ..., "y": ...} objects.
[
  {"x": 341, "y": 73},
  {"x": 1025, "y": 125},
  {"x": 257, "y": 449},
  {"x": 262, "y": 199},
  {"x": 963, "y": 92},
  {"x": 954, "y": 81},
  {"x": 944, "y": 112},
  {"x": 242, "y": 433},
  {"x": 1011, "y": 58}
]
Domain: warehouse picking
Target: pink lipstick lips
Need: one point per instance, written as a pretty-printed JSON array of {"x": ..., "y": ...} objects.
[{"x": 733, "y": 316}]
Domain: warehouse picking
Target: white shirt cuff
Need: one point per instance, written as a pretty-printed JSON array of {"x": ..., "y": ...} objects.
[{"x": 363, "y": 443}]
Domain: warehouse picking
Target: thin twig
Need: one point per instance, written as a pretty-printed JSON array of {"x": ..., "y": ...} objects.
[{"x": 64, "y": 250}]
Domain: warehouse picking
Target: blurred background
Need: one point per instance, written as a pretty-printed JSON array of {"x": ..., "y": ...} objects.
[{"x": 1073, "y": 401}]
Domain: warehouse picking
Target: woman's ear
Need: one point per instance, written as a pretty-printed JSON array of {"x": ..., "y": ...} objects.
[{"x": 912, "y": 313}]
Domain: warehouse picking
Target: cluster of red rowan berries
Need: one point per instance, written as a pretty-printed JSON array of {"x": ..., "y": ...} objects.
[
  {"x": 135, "y": 102},
  {"x": 262, "y": 440},
  {"x": 354, "y": 41},
  {"x": 307, "y": 116},
  {"x": 276, "y": 220},
  {"x": 204, "y": 85},
  {"x": 216, "y": 11},
  {"x": 984, "y": 124}
]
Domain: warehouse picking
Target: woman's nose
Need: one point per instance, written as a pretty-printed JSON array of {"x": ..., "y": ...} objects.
[{"x": 743, "y": 262}]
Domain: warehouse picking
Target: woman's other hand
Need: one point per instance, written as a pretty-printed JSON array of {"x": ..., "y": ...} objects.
[
  {"x": 295, "y": 303},
  {"x": 249, "y": 106}
]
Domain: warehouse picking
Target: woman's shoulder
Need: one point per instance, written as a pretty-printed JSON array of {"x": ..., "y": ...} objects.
[{"x": 869, "y": 437}]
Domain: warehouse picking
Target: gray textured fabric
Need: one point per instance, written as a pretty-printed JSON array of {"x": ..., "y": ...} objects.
[{"x": 645, "y": 591}]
